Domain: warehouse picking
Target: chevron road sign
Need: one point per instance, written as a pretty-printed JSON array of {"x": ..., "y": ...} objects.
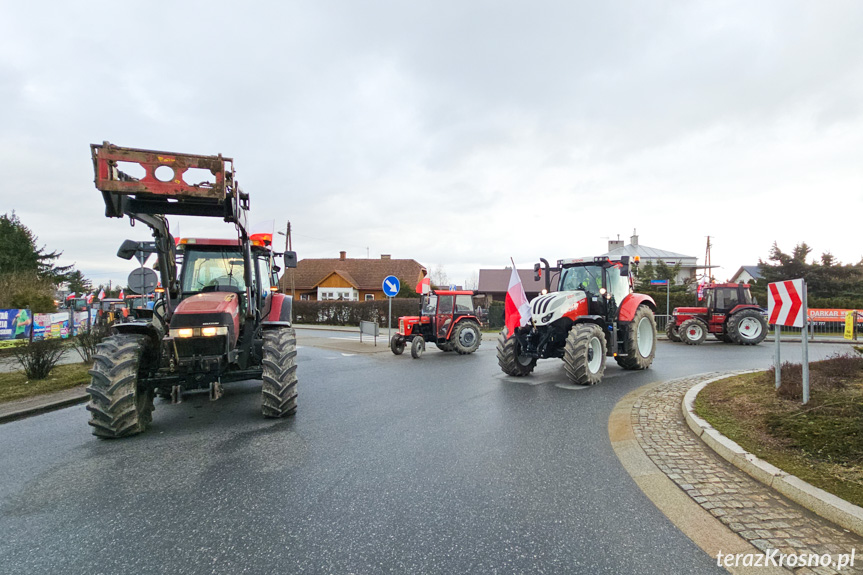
[{"x": 785, "y": 305}]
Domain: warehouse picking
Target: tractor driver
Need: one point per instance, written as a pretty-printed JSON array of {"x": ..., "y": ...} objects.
[{"x": 586, "y": 278}]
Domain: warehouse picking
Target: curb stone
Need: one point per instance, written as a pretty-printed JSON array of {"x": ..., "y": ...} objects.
[{"x": 817, "y": 500}]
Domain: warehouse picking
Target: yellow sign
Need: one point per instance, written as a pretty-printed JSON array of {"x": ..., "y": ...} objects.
[{"x": 850, "y": 318}]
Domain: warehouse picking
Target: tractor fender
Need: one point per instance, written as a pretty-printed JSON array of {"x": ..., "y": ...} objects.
[
  {"x": 630, "y": 305},
  {"x": 281, "y": 306},
  {"x": 140, "y": 328},
  {"x": 742, "y": 307},
  {"x": 459, "y": 320}
]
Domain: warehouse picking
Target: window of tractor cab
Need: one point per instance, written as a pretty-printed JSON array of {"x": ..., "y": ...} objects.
[
  {"x": 267, "y": 279},
  {"x": 726, "y": 298},
  {"x": 430, "y": 305},
  {"x": 444, "y": 305},
  {"x": 587, "y": 278},
  {"x": 463, "y": 304},
  {"x": 212, "y": 268},
  {"x": 618, "y": 285}
]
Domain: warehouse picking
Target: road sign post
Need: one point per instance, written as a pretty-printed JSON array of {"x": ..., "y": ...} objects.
[
  {"x": 787, "y": 306},
  {"x": 391, "y": 287}
]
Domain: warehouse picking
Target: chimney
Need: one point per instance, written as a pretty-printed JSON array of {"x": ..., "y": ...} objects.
[
  {"x": 386, "y": 257},
  {"x": 614, "y": 245},
  {"x": 634, "y": 239},
  {"x": 343, "y": 256}
]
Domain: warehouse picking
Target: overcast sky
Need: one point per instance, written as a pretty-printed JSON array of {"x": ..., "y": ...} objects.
[{"x": 455, "y": 133}]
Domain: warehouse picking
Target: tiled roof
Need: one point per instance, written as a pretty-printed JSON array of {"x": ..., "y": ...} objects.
[
  {"x": 365, "y": 274},
  {"x": 497, "y": 281}
]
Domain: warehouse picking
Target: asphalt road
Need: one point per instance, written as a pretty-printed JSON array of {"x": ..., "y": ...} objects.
[{"x": 392, "y": 465}]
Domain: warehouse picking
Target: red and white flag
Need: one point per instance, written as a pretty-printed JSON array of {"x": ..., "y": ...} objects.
[
  {"x": 121, "y": 295},
  {"x": 89, "y": 298},
  {"x": 424, "y": 286},
  {"x": 516, "y": 306},
  {"x": 101, "y": 295},
  {"x": 70, "y": 296}
]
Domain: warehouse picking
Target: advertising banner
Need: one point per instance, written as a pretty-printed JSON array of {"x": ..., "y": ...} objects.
[
  {"x": 832, "y": 315},
  {"x": 15, "y": 324}
]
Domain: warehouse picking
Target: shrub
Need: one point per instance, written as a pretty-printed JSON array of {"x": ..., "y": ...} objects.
[
  {"x": 38, "y": 358},
  {"x": 352, "y": 312},
  {"x": 86, "y": 341}
]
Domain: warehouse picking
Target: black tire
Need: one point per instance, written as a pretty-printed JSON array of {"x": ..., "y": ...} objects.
[
  {"x": 692, "y": 332},
  {"x": 584, "y": 354},
  {"x": 640, "y": 343},
  {"x": 671, "y": 331},
  {"x": 466, "y": 337},
  {"x": 418, "y": 346},
  {"x": 279, "y": 381},
  {"x": 747, "y": 327},
  {"x": 119, "y": 406},
  {"x": 397, "y": 344},
  {"x": 508, "y": 358}
]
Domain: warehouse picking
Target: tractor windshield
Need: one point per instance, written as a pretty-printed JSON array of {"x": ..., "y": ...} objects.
[
  {"x": 586, "y": 278},
  {"x": 214, "y": 269},
  {"x": 430, "y": 305}
]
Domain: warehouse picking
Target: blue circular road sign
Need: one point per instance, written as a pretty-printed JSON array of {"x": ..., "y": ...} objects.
[{"x": 391, "y": 286}]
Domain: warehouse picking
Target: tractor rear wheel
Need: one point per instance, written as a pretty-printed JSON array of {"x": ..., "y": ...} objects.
[
  {"x": 671, "y": 330},
  {"x": 640, "y": 342},
  {"x": 119, "y": 406},
  {"x": 397, "y": 344},
  {"x": 418, "y": 346},
  {"x": 279, "y": 381},
  {"x": 584, "y": 354},
  {"x": 465, "y": 337},
  {"x": 509, "y": 358},
  {"x": 692, "y": 332},
  {"x": 747, "y": 327},
  {"x": 444, "y": 346}
]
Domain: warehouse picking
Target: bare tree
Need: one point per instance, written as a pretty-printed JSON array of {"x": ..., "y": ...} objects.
[{"x": 439, "y": 277}]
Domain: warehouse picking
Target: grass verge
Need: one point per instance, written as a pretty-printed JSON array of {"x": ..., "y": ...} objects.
[
  {"x": 15, "y": 385},
  {"x": 820, "y": 442}
]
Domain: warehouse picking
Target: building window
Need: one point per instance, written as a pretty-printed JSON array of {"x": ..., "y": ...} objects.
[
  {"x": 304, "y": 296},
  {"x": 370, "y": 296}
]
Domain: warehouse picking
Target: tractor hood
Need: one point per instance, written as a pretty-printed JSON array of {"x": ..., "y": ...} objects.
[
  {"x": 209, "y": 309},
  {"x": 547, "y": 309}
]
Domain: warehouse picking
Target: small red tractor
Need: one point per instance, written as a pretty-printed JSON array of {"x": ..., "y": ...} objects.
[
  {"x": 593, "y": 314},
  {"x": 216, "y": 321},
  {"x": 729, "y": 312},
  {"x": 446, "y": 318}
]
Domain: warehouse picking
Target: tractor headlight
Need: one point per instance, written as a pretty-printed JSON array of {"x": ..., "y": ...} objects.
[
  {"x": 209, "y": 331},
  {"x": 547, "y": 317},
  {"x": 184, "y": 332}
]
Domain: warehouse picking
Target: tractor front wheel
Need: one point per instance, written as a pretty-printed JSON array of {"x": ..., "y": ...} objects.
[
  {"x": 119, "y": 406},
  {"x": 747, "y": 327},
  {"x": 510, "y": 359},
  {"x": 418, "y": 346},
  {"x": 640, "y": 342},
  {"x": 279, "y": 381},
  {"x": 692, "y": 332},
  {"x": 465, "y": 337},
  {"x": 397, "y": 344},
  {"x": 584, "y": 354}
]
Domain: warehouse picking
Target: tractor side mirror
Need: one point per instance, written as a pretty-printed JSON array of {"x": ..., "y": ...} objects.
[
  {"x": 290, "y": 259},
  {"x": 537, "y": 272},
  {"x": 127, "y": 249},
  {"x": 624, "y": 270}
]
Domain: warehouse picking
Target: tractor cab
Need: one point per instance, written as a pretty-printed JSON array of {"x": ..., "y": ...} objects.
[{"x": 446, "y": 319}]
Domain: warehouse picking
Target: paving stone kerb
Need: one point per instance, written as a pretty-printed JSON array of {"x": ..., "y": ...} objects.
[
  {"x": 755, "y": 512},
  {"x": 825, "y": 504}
]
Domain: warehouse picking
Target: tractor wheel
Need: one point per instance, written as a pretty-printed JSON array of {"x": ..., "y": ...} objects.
[
  {"x": 397, "y": 344},
  {"x": 692, "y": 332},
  {"x": 584, "y": 354},
  {"x": 279, "y": 381},
  {"x": 444, "y": 346},
  {"x": 465, "y": 337},
  {"x": 747, "y": 327},
  {"x": 671, "y": 331},
  {"x": 640, "y": 343},
  {"x": 509, "y": 359},
  {"x": 118, "y": 405},
  {"x": 418, "y": 346}
]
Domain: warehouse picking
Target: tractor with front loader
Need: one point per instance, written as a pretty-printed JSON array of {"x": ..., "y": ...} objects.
[
  {"x": 729, "y": 312},
  {"x": 446, "y": 319},
  {"x": 219, "y": 320},
  {"x": 592, "y": 314}
]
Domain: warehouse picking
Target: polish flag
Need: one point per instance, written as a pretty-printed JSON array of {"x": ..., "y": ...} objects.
[
  {"x": 70, "y": 296},
  {"x": 516, "y": 306},
  {"x": 101, "y": 295},
  {"x": 424, "y": 286},
  {"x": 89, "y": 298},
  {"x": 262, "y": 232},
  {"x": 121, "y": 295}
]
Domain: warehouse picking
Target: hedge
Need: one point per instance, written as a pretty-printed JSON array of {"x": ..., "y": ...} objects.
[{"x": 352, "y": 312}]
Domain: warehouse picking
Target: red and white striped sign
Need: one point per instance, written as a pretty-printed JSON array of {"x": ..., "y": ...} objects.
[{"x": 785, "y": 304}]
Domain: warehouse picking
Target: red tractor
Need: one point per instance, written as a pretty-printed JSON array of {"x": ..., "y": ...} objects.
[
  {"x": 730, "y": 313},
  {"x": 446, "y": 318},
  {"x": 219, "y": 320}
]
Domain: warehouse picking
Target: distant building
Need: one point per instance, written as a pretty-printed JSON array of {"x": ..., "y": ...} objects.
[
  {"x": 494, "y": 283},
  {"x": 746, "y": 275},
  {"x": 688, "y": 264},
  {"x": 347, "y": 279}
]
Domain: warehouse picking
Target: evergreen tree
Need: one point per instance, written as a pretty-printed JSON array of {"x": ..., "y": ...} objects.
[{"x": 19, "y": 254}]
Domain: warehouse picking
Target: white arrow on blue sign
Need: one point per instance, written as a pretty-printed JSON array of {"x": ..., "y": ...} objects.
[{"x": 391, "y": 286}]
